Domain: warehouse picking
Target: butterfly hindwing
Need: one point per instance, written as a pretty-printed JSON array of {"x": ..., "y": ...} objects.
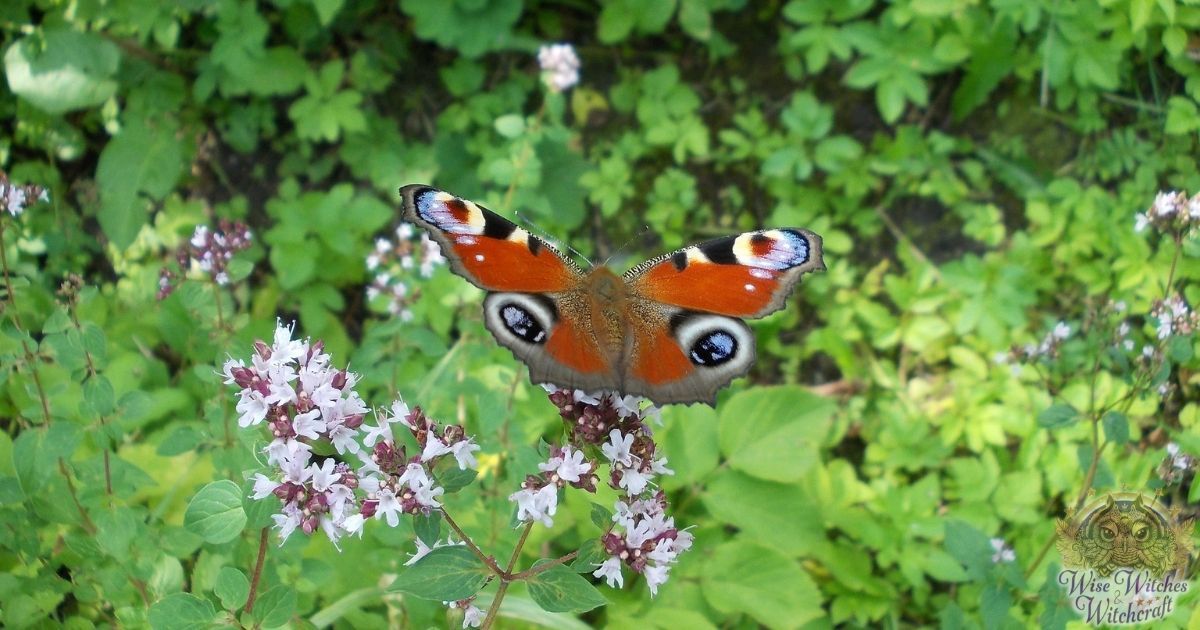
[
  {"x": 747, "y": 275},
  {"x": 484, "y": 247}
]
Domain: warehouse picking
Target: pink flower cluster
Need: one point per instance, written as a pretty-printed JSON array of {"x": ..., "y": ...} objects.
[
  {"x": 14, "y": 197},
  {"x": 393, "y": 260},
  {"x": 642, "y": 537},
  {"x": 1172, "y": 212},
  {"x": 208, "y": 252},
  {"x": 291, "y": 387}
]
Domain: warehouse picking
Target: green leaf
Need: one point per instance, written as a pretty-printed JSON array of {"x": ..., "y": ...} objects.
[
  {"x": 601, "y": 516},
  {"x": 428, "y": 527},
  {"x": 62, "y": 70},
  {"x": 1116, "y": 427},
  {"x": 563, "y": 590},
  {"x": 327, "y": 10},
  {"x": 510, "y": 125},
  {"x": 98, "y": 393},
  {"x": 1057, "y": 416},
  {"x": 445, "y": 574},
  {"x": 454, "y": 479},
  {"x": 743, "y": 577},
  {"x": 232, "y": 588},
  {"x": 181, "y": 611},
  {"x": 1182, "y": 116},
  {"x": 772, "y": 432},
  {"x": 275, "y": 607},
  {"x": 139, "y": 160},
  {"x": 589, "y": 556},
  {"x": 184, "y": 438},
  {"x": 1179, "y": 348},
  {"x": 215, "y": 513}
]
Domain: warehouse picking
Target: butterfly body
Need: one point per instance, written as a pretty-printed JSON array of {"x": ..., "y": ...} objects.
[{"x": 668, "y": 329}]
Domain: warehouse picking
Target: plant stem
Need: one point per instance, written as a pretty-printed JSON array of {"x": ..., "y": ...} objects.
[
  {"x": 532, "y": 571},
  {"x": 30, "y": 357},
  {"x": 258, "y": 566},
  {"x": 506, "y": 578},
  {"x": 488, "y": 560},
  {"x": 88, "y": 525}
]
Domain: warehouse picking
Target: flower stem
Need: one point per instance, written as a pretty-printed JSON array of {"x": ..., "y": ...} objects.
[
  {"x": 488, "y": 560},
  {"x": 506, "y": 578},
  {"x": 30, "y": 357},
  {"x": 258, "y": 566}
]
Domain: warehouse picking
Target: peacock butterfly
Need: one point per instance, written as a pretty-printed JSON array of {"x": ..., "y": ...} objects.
[{"x": 669, "y": 329}]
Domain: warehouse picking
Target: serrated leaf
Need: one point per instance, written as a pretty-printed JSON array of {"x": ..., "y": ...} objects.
[
  {"x": 444, "y": 574},
  {"x": 563, "y": 590},
  {"x": 215, "y": 513},
  {"x": 98, "y": 393}
]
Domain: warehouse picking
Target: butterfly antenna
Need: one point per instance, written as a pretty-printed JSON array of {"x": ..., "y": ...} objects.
[
  {"x": 540, "y": 233},
  {"x": 636, "y": 237}
]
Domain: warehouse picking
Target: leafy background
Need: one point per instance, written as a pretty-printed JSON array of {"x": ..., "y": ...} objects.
[{"x": 974, "y": 168}]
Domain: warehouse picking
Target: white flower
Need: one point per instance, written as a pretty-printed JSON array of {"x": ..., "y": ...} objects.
[
  {"x": 422, "y": 551},
  {"x": 287, "y": 522},
  {"x": 659, "y": 467},
  {"x": 295, "y": 468},
  {"x": 610, "y": 570},
  {"x": 414, "y": 475},
  {"x": 581, "y": 396},
  {"x": 285, "y": 349},
  {"x": 427, "y": 494},
  {"x": 404, "y": 231},
  {"x": 344, "y": 439},
  {"x": 569, "y": 466},
  {"x": 1062, "y": 330},
  {"x": 281, "y": 450},
  {"x": 434, "y": 448},
  {"x": 1172, "y": 449},
  {"x": 308, "y": 424},
  {"x": 472, "y": 617},
  {"x": 1003, "y": 553},
  {"x": 263, "y": 486},
  {"x": 383, "y": 432},
  {"x": 323, "y": 476},
  {"x": 251, "y": 407},
  {"x": 536, "y": 504},
  {"x": 627, "y": 406},
  {"x": 560, "y": 66},
  {"x": 656, "y": 575},
  {"x": 353, "y": 524},
  {"x": 464, "y": 453},
  {"x": 1140, "y": 222},
  {"x": 388, "y": 508},
  {"x": 617, "y": 448},
  {"x": 634, "y": 481},
  {"x": 227, "y": 370}
]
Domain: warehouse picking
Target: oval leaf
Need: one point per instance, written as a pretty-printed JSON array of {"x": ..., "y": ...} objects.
[
  {"x": 181, "y": 611},
  {"x": 445, "y": 574},
  {"x": 563, "y": 590},
  {"x": 1057, "y": 416},
  {"x": 63, "y": 70},
  {"x": 215, "y": 513}
]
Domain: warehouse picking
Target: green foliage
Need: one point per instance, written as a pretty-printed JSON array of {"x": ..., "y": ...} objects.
[{"x": 974, "y": 169}]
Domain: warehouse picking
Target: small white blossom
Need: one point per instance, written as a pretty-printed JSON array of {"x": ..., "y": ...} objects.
[
  {"x": 560, "y": 66},
  {"x": 617, "y": 448},
  {"x": 610, "y": 571},
  {"x": 1003, "y": 553}
]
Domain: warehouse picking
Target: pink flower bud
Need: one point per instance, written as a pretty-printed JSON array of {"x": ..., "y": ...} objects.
[{"x": 368, "y": 508}]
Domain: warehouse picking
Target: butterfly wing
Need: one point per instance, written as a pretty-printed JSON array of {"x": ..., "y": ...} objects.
[
  {"x": 534, "y": 291},
  {"x": 690, "y": 341},
  {"x": 748, "y": 275}
]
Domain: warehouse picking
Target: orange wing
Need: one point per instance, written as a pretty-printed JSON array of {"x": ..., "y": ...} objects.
[
  {"x": 747, "y": 275},
  {"x": 484, "y": 247}
]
